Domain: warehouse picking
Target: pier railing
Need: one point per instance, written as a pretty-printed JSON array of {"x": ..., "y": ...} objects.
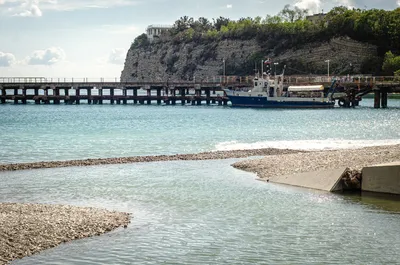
[{"x": 227, "y": 80}]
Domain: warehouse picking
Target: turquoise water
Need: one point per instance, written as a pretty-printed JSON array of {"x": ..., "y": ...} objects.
[
  {"x": 36, "y": 133},
  {"x": 200, "y": 212}
]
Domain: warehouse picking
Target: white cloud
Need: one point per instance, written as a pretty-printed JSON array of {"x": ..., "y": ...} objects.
[
  {"x": 23, "y": 8},
  {"x": 314, "y": 6},
  {"x": 6, "y": 59},
  {"x": 34, "y": 8},
  {"x": 346, "y": 3},
  {"x": 117, "y": 56},
  {"x": 49, "y": 56},
  {"x": 229, "y": 6},
  {"x": 398, "y": 2}
]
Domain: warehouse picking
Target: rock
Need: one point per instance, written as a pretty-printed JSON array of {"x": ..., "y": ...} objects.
[
  {"x": 32, "y": 227},
  {"x": 165, "y": 61}
]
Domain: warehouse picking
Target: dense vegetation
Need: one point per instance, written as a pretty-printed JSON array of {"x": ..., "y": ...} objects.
[
  {"x": 290, "y": 29},
  {"x": 391, "y": 65}
]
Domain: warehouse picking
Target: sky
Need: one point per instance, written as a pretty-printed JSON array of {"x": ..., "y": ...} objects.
[{"x": 90, "y": 38}]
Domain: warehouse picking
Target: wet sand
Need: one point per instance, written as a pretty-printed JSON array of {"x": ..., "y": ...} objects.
[{"x": 27, "y": 229}]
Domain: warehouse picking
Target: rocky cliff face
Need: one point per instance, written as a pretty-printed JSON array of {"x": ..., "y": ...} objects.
[{"x": 164, "y": 61}]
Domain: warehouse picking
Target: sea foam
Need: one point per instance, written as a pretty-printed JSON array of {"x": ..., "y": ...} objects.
[{"x": 330, "y": 144}]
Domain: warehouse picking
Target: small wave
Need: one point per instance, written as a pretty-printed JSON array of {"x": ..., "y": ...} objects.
[{"x": 330, "y": 144}]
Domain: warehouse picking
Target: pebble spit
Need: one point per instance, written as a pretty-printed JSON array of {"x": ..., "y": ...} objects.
[
  {"x": 283, "y": 164},
  {"x": 27, "y": 229},
  {"x": 143, "y": 159}
]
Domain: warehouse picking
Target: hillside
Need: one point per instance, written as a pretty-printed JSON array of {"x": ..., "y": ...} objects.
[{"x": 354, "y": 41}]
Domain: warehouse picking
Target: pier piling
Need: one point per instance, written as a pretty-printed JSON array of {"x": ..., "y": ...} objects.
[{"x": 377, "y": 99}]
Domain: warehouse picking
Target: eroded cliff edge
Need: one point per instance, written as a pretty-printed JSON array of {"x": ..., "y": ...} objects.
[{"x": 166, "y": 60}]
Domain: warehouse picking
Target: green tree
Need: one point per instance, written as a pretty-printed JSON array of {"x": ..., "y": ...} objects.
[
  {"x": 291, "y": 15},
  {"x": 141, "y": 41},
  {"x": 391, "y": 63},
  {"x": 220, "y": 22}
]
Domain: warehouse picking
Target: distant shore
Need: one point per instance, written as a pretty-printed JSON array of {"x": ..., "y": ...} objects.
[
  {"x": 27, "y": 229},
  {"x": 143, "y": 159}
]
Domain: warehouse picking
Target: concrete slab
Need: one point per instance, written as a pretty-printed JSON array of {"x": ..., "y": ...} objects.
[
  {"x": 383, "y": 178},
  {"x": 327, "y": 180}
]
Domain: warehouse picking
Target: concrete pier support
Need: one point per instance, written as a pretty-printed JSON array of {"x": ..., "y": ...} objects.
[
  {"x": 46, "y": 93},
  {"x": 159, "y": 96},
  {"x": 3, "y": 94},
  {"x": 101, "y": 95},
  {"x": 24, "y": 94},
  {"x": 77, "y": 94},
  {"x": 89, "y": 93},
  {"x": 15, "y": 94},
  {"x": 377, "y": 99},
  {"x": 125, "y": 94},
  {"x": 384, "y": 99},
  {"x": 149, "y": 96},
  {"x": 182, "y": 92},
  {"x": 57, "y": 94},
  {"x": 208, "y": 97},
  {"x": 135, "y": 93},
  {"x": 111, "y": 96},
  {"x": 37, "y": 101}
]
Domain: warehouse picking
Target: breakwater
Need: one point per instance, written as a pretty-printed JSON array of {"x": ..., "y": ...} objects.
[{"x": 146, "y": 159}]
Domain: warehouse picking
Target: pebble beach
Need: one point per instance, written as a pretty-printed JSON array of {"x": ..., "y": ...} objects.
[
  {"x": 27, "y": 229},
  {"x": 356, "y": 159}
]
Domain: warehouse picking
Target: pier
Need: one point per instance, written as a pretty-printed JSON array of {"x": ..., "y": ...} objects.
[
  {"x": 39, "y": 90},
  {"x": 42, "y": 91}
]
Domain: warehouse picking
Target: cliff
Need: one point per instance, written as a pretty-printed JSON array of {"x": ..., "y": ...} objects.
[{"x": 166, "y": 60}]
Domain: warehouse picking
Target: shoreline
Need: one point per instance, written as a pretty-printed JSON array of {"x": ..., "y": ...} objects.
[
  {"x": 28, "y": 229},
  {"x": 147, "y": 159}
]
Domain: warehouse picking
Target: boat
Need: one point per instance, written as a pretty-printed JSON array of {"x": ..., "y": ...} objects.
[{"x": 268, "y": 92}]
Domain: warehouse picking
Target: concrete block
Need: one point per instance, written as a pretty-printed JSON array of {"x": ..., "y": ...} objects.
[
  {"x": 327, "y": 180},
  {"x": 383, "y": 178}
]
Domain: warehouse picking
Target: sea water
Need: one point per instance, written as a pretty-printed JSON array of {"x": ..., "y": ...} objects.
[{"x": 200, "y": 212}]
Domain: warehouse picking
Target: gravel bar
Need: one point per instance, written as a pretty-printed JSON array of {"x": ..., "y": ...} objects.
[
  {"x": 143, "y": 159},
  {"x": 27, "y": 229}
]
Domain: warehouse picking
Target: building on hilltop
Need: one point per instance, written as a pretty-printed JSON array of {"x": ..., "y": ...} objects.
[
  {"x": 316, "y": 18},
  {"x": 156, "y": 30}
]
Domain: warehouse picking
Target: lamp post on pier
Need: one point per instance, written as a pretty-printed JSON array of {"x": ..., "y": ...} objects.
[
  {"x": 275, "y": 64},
  {"x": 223, "y": 60},
  {"x": 328, "y": 61}
]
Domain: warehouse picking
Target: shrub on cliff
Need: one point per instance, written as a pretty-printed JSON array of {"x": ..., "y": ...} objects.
[{"x": 140, "y": 42}]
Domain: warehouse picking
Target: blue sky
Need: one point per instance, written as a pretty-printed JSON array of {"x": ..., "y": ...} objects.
[{"x": 90, "y": 38}]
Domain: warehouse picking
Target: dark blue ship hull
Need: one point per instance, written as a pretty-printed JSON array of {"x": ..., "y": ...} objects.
[{"x": 263, "y": 102}]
